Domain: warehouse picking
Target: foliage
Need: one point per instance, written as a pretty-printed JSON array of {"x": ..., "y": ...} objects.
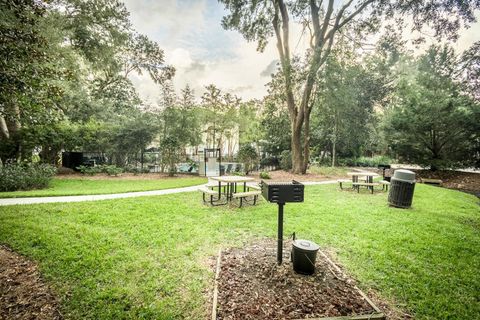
[
  {"x": 89, "y": 170},
  {"x": 275, "y": 126},
  {"x": 365, "y": 161},
  {"x": 111, "y": 170},
  {"x": 248, "y": 156},
  {"x": 25, "y": 176},
  {"x": 129, "y": 237},
  {"x": 432, "y": 122},
  {"x": 286, "y": 160},
  {"x": 270, "y": 162},
  {"x": 170, "y": 156},
  {"x": 259, "y": 21},
  {"x": 264, "y": 175},
  {"x": 67, "y": 72},
  {"x": 220, "y": 117},
  {"x": 29, "y": 71},
  {"x": 344, "y": 119}
]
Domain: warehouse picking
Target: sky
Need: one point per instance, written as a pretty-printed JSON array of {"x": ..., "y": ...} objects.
[{"x": 202, "y": 52}]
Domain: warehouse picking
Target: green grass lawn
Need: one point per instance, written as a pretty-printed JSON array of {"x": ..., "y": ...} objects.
[
  {"x": 149, "y": 257},
  {"x": 85, "y": 186}
]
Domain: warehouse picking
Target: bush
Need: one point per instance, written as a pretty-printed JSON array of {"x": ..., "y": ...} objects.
[
  {"x": 248, "y": 156},
  {"x": 91, "y": 171},
  {"x": 269, "y": 162},
  {"x": 264, "y": 175},
  {"x": 111, "y": 170},
  {"x": 365, "y": 161},
  {"x": 286, "y": 160},
  {"x": 15, "y": 177}
]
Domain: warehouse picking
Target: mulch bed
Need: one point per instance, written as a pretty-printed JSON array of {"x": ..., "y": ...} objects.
[
  {"x": 252, "y": 286},
  {"x": 458, "y": 180},
  {"x": 23, "y": 294}
]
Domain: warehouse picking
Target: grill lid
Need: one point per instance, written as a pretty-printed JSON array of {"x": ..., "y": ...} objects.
[{"x": 305, "y": 245}]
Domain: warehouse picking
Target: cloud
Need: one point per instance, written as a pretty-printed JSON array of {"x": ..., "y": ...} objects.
[
  {"x": 202, "y": 52},
  {"x": 270, "y": 69}
]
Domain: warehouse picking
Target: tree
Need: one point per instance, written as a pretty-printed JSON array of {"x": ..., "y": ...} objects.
[
  {"x": 220, "y": 114},
  {"x": 179, "y": 125},
  {"x": 343, "y": 117},
  {"x": 28, "y": 93},
  {"x": 248, "y": 156},
  {"x": 432, "y": 122},
  {"x": 260, "y": 20},
  {"x": 170, "y": 154}
]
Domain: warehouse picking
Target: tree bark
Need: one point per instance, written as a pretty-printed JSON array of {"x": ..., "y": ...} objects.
[
  {"x": 306, "y": 142},
  {"x": 334, "y": 142},
  {"x": 297, "y": 157}
]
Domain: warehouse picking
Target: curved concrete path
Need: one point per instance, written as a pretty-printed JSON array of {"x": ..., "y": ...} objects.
[{"x": 97, "y": 197}]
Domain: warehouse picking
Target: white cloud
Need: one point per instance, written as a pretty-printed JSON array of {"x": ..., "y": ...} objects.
[{"x": 203, "y": 53}]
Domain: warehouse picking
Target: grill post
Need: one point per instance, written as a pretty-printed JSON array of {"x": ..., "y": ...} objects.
[
  {"x": 281, "y": 193},
  {"x": 280, "y": 234}
]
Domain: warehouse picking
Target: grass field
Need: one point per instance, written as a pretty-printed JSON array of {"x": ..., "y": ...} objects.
[
  {"x": 148, "y": 257},
  {"x": 86, "y": 186}
]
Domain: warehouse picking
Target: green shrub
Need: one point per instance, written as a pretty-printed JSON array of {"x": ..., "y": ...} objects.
[
  {"x": 112, "y": 170},
  {"x": 286, "y": 160},
  {"x": 248, "y": 156},
  {"x": 15, "y": 177},
  {"x": 270, "y": 162},
  {"x": 264, "y": 175},
  {"x": 365, "y": 161},
  {"x": 91, "y": 171}
]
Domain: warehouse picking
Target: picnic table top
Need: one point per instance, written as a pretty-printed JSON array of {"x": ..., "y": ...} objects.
[
  {"x": 231, "y": 179},
  {"x": 363, "y": 173}
]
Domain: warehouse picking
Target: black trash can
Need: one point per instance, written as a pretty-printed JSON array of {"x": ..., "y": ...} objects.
[
  {"x": 402, "y": 186},
  {"x": 304, "y": 254}
]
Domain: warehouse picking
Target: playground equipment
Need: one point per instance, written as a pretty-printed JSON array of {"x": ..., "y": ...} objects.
[{"x": 210, "y": 161}]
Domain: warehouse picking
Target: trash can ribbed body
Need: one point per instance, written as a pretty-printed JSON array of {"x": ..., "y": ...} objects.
[
  {"x": 402, "y": 186},
  {"x": 304, "y": 254}
]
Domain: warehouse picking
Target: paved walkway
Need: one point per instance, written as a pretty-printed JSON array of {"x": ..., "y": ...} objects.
[{"x": 97, "y": 197}]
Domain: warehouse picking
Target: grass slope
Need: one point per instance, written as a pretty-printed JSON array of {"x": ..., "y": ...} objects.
[
  {"x": 148, "y": 257},
  {"x": 74, "y": 187}
]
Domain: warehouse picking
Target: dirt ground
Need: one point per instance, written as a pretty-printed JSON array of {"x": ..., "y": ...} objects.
[
  {"x": 23, "y": 293},
  {"x": 458, "y": 180},
  {"x": 252, "y": 286}
]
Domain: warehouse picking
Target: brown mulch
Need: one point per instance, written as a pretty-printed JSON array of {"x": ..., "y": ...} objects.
[
  {"x": 23, "y": 293},
  {"x": 252, "y": 286},
  {"x": 281, "y": 175},
  {"x": 458, "y": 180}
]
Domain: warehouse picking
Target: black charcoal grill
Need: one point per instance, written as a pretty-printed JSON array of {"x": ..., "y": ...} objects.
[{"x": 281, "y": 193}]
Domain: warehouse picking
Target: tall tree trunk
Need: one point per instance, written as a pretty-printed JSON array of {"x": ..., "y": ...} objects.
[
  {"x": 334, "y": 142},
  {"x": 297, "y": 157},
  {"x": 306, "y": 142}
]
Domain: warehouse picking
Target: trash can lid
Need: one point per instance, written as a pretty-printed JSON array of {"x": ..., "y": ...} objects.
[
  {"x": 406, "y": 175},
  {"x": 306, "y": 245}
]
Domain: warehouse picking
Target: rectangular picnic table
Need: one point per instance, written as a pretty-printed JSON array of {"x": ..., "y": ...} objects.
[
  {"x": 367, "y": 174},
  {"x": 231, "y": 184}
]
